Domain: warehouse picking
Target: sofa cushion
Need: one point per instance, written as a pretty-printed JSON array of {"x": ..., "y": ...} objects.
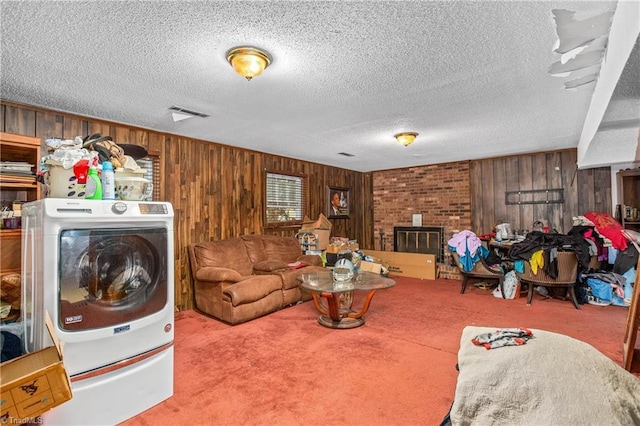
[
  {"x": 286, "y": 249},
  {"x": 310, "y": 259},
  {"x": 270, "y": 265},
  {"x": 255, "y": 249},
  {"x": 230, "y": 254},
  {"x": 212, "y": 273}
]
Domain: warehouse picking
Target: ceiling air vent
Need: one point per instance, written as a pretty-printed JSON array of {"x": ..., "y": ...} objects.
[
  {"x": 346, "y": 154},
  {"x": 180, "y": 114}
]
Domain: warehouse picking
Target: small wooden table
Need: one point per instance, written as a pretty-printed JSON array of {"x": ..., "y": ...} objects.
[{"x": 337, "y": 313}]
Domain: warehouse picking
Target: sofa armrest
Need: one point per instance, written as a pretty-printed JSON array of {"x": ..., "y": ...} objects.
[
  {"x": 252, "y": 289},
  {"x": 270, "y": 266},
  {"x": 310, "y": 259},
  {"x": 214, "y": 273}
]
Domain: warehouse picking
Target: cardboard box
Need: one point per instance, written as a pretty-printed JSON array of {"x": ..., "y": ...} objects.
[
  {"x": 334, "y": 248},
  {"x": 321, "y": 223},
  {"x": 320, "y": 227},
  {"x": 34, "y": 383},
  {"x": 370, "y": 267},
  {"x": 323, "y": 238},
  {"x": 413, "y": 265}
]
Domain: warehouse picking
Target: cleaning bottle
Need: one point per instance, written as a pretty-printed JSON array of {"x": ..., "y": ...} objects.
[
  {"x": 93, "y": 190},
  {"x": 108, "y": 181}
]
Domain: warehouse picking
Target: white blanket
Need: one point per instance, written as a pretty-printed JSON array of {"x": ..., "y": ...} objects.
[{"x": 551, "y": 380}]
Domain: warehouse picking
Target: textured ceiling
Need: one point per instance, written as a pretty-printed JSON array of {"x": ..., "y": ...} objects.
[{"x": 470, "y": 77}]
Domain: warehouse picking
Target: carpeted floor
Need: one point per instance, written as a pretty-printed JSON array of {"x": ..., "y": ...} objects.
[{"x": 397, "y": 369}]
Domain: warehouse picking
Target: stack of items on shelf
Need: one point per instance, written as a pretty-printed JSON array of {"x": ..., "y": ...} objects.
[
  {"x": 11, "y": 217},
  {"x": 94, "y": 168},
  {"x": 17, "y": 171},
  {"x": 20, "y": 173}
]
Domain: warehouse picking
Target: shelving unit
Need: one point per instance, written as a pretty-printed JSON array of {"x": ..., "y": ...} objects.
[
  {"x": 16, "y": 148},
  {"x": 628, "y": 211}
]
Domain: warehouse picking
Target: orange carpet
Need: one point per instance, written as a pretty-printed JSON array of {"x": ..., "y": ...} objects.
[{"x": 397, "y": 369}]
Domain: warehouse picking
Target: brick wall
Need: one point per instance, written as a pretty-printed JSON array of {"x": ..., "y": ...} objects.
[{"x": 441, "y": 193}]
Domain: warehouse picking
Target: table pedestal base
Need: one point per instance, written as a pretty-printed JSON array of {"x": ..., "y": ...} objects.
[
  {"x": 337, "y": 312},
  {"x": 345, "y": 322}
]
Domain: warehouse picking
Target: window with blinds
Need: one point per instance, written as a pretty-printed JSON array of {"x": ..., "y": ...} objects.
[
  {"x": 151, "y": 166},
  {"x": 285, "y": 198}
]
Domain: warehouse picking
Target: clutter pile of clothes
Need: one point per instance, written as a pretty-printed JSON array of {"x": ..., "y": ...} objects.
[
  {"x": 593, "y": 235},
  {"x": 469, "y": 248}
]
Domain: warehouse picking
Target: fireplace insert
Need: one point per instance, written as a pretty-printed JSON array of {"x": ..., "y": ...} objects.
[{"x": 419, "y": 239}]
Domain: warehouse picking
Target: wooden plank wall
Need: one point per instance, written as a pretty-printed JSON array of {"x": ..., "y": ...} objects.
[
  {"x": 217, "y": 191},
  {"x": 584, "y": 190}
]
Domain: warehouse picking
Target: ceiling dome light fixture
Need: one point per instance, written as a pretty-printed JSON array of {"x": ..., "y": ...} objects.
[
  {"x": 405, "y": 138},
  {"x": 248, "y": 61}
]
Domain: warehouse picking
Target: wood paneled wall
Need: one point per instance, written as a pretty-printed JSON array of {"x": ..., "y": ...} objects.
[
  {"x": 584, "y": 190},
  {"x": 217, "y": 191}
]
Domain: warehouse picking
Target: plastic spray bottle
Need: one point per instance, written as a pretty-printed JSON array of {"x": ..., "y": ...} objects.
[
  {"x": 108, "y": 181},
  {"x": 93, "y": 190}
]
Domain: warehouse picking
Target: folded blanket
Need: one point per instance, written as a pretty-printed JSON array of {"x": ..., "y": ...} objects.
[{"x": 552, "y": 380}]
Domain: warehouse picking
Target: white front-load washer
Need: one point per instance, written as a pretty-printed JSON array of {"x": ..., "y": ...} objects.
[{"x": 103, "y": 271}]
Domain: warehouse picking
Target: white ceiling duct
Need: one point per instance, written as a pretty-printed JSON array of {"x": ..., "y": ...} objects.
[{"x": 622, "y": 58}]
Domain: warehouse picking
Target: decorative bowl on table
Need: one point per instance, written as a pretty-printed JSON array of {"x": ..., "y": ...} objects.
[{"x": 312, "y": 278}]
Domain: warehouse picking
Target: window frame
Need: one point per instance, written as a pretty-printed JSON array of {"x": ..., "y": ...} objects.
[
  {"x": 303, "y": 199},
  {"x": 151, "y": 165}
]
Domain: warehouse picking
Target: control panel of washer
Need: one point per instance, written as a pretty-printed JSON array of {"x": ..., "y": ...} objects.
[
  {"x": 153, "y": 208},
  {"x": 119, "y": 208}
]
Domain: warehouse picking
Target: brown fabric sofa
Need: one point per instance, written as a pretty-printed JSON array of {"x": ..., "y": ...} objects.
[{"x": 243, "y": 278}]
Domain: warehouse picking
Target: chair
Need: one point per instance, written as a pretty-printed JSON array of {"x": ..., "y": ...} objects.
[
  {"x": 567, "y": 276},
  {"x": 480, "y": 270}
]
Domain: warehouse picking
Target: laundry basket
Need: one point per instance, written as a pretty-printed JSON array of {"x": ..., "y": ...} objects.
[{"x": 62, "y": 183}]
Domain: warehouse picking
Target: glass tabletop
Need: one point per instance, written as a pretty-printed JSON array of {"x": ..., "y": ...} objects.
[{"x": 323, "y": 282}]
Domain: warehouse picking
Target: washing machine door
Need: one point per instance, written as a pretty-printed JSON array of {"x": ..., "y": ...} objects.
[{"x": 111, "y": 276}]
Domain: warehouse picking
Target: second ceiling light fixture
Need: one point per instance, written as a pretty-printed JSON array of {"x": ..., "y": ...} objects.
[{"x": 405, "y": 138}]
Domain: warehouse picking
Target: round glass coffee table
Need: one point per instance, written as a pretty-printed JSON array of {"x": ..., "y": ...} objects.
[{"x": 337, "y": 312}]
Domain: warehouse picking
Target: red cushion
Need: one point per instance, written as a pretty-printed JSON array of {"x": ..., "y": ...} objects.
[{"x": 610, "y": 228}]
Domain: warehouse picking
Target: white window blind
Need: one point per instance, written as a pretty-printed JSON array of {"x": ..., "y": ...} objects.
[{"x": 285, "y": 198}]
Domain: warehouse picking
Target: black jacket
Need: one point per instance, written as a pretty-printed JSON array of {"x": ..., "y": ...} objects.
[{"x": 537, "y": 240}]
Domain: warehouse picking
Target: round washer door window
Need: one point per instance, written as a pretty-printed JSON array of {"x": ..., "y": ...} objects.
[
  {"x": 111, "y": 276},
  {"x": 119, "y": 271}
]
